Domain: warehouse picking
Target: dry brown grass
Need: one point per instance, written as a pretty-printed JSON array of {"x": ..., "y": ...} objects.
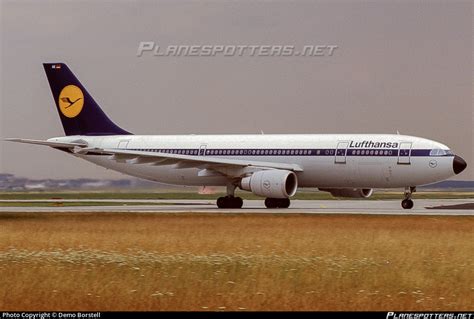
[{"x": 121, "y": 261}]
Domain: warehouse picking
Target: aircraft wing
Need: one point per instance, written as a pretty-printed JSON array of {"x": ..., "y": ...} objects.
[
  {"x": 47, "y": 143},
  {"x": 208, "y": 164}
]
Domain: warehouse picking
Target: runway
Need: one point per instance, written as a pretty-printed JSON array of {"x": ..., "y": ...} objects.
[{"x": 447, "y": 207}]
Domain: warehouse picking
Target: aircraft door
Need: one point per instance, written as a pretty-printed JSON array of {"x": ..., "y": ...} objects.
[
  {"x": 202, "y": 149},
  {"x": 341, "y": 153},
  {"x": 123, "y": 144},
  {"x": 404, "y": 153}
]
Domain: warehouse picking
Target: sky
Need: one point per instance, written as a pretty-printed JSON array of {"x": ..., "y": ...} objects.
[{"x": 399, "y": 66}]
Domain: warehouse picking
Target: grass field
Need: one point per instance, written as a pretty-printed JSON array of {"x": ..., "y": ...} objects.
[{"x": 121, "y": 261}]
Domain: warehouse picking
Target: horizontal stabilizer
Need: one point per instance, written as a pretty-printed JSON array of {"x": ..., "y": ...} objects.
[{"x": 46, "y": 143}]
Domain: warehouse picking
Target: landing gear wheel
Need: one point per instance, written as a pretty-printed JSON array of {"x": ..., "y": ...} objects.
[
  {"x": 221, "y": 202},
  {"x": 230, "y": 202},
  {"x": 407, "y": 204},
  {"x": 238, "y": 202},
  {"x": 277, "y": 202},
  {"x": 270, "y": 202},
  {"x": 284, "y": 203}
]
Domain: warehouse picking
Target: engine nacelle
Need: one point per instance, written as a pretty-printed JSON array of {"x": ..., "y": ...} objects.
[
  {"x": 349, "y": 192},
  {"x": 271, "y": 183}
]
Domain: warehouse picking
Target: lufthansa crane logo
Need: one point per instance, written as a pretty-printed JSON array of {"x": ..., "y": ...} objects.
[
  {"x": 71, "y": 101},
  {"x": 266, "y": 184}
]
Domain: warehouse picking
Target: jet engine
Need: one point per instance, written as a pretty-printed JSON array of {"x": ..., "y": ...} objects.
[
  {"x": 271, "y": 183},
  {"x": 349, "y": 192}
]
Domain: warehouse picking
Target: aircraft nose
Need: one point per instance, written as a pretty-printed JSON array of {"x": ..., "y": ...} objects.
[{"x": 459, "y": 164}]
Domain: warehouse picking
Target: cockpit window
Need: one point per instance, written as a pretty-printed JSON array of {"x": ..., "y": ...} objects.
[{"x": 440, "y": 152}]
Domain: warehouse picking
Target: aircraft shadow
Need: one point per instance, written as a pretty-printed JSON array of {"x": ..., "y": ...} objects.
[{"x": 457, "y": 206}]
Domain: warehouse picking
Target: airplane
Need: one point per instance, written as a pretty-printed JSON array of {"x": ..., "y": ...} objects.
[{"x": 270, "y": 166}]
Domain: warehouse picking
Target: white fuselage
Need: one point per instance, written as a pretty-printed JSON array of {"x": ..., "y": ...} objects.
[{"x": 327, "y": 160}]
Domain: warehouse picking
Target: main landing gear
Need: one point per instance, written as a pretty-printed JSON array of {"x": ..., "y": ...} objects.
[
  {"x": 407, "y": 203},
  {"x": 277, "y": 202},
  {"x": 230, "y": 201}
]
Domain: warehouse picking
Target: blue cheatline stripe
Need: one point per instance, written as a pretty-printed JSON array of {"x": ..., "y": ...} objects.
[
  {"x": 292, "y": 152},
  {"x": 420, "y": 152}
]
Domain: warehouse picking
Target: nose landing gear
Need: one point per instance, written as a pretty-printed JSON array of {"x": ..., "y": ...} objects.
[{"x": 407, "y": 203}]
